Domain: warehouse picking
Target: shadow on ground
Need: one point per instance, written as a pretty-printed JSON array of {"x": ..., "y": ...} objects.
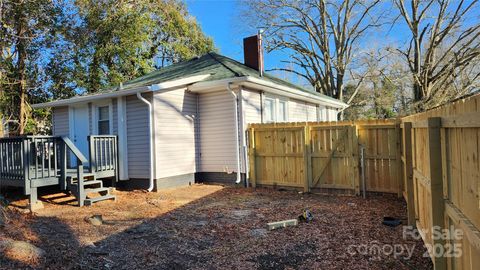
[{"x": 226, "y": 229}]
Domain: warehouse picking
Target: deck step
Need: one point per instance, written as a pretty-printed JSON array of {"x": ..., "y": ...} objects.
[
  {"x": 98, "y": 199},
  {"x": 100, "y": 189},
  {"x": 85, "y": 175},
  {"x": 89, "y": 183}
]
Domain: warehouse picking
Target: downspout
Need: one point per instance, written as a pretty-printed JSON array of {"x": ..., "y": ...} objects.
[
  {"x": 244, "y": 138},
  {"x": 237, "y": 138},
  {"x": 150, "y": 143}
]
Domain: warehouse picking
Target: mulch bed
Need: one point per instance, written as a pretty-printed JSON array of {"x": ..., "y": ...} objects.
[{"x": 210, "y": 227}]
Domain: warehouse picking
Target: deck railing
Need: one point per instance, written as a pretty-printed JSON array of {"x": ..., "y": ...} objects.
[
  {"x": 32, "y": 161},
  {"x": 29, "y": 157},
  {"x": 35, "y": 161},
  {"x": 103, "y": 155},
  {"x": 43, "y": 156},
  {"x": 12, "y": 151}
]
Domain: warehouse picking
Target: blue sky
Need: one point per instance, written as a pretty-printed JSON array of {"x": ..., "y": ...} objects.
[{"x": 219, "y": 20}]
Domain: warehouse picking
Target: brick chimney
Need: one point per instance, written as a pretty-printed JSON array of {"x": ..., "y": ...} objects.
[{"x": 253, "y": 52}]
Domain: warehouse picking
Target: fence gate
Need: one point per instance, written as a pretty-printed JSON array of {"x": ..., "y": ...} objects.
[
  {"x": 382, "y": 142},
  {"x": 324, "y": 156},
  {"x": 333, "y": 157}
]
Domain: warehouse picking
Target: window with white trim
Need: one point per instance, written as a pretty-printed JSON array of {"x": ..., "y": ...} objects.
[
  {"x": 269, "y": 110},
  {"x": 282, "y": 111},
  {"x": 103, "y": 121},
  {"x": 275, "y": 110}
]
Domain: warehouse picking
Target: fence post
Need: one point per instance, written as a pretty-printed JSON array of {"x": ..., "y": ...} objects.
[
  {"x": 436, "y": 185},
  {"x": 251, "y": 158},
  {"x": 307, "y": 159},
  {"x": 398, "y": 158},
  {"x": 355, "y": 156},
  {"x": 408, "y": 171}
]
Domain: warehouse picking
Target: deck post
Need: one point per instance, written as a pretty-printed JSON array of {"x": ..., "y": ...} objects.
[
  {"x": 26, "y": 165},
  {"x": 63, "y": 165},
  {"x": 92, "y": 154},
  {"x": 80, "y": 187},
  {"x": 33, "y": 203}
]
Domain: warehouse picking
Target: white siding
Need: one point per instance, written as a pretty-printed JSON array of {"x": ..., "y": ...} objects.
[
  {"x": 175, "y": 113},
  {"x": 217, "y": 132},
  {"x": 252, "y": 107},
  {"x": 60, "y": 121},
  {"x": 137, "y": 138},
  {"x": 311, "y": 112},
  {"x": 331, "y": 114},
  {"x": 301, "y": 111}
]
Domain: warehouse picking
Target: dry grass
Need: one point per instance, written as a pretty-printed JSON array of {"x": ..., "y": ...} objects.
[{"x": 207, "y": 226}]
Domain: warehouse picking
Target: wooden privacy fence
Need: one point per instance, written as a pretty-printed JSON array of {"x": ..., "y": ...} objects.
[
  {"x": 441, "y": 178},
  {"x": 432, "y": 158},
  {"x": 323, "y": 156}
]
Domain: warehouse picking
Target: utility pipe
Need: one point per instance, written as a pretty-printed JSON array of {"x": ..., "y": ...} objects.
[
  {"x": 237, "y": 138},
  {"x": 150, "y": 143}
]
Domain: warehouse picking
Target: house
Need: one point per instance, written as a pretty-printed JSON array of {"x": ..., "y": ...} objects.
[{"x": 187, "y": 122}]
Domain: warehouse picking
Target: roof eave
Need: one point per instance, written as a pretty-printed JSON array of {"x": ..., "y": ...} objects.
[
  {"x": 267, "y": 86},
  {"x": 310, "y": 96},
  {"x": 147, "y": 88},
  {"x": 82, "y": 99}
]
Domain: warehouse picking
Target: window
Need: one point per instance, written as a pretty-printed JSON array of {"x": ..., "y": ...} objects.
[
  {"x": 275, "y": 110},
  {"x": 282, "y": 111},
  {"x": 322, "y": 113},
  {"x": 269, "y": 110},
  {"x": 103, "y": 120}
]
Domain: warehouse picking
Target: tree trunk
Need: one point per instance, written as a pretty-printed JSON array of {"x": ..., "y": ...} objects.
[{"x": 21, "y": 68}]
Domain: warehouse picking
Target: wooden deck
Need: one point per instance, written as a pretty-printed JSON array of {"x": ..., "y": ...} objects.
[{"x": 36, "y": 161}]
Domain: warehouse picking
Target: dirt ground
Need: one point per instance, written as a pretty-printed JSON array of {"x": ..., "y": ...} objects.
[{"x": 215, "y": 227}]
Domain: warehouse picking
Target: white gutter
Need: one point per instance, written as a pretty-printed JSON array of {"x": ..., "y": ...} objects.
[
  {"x": 150, "y": 141},
  {"x": 310, "y": 96},
  {"x": 237, "y": 138},
  {"x": 270, "y": 87}
]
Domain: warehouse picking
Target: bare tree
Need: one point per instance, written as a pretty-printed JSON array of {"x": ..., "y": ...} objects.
[
  {"x": 445, "y": 41},
  {"x": 385, "y": 90},
  {"x": 321, "y": 35}
]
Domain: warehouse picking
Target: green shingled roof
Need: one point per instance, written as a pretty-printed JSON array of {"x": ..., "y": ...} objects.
[{"x": 218, "y": 66}]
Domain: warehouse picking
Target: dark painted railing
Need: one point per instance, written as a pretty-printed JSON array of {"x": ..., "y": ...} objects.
[
  {"x": 12, "y": 154},
  {"x": 103, "y": 155},
  {"x": 29, "y": 157},
  {"x": 35, "y": 161},
  {"x": 37, "y": 158},
  {"x": 43, "y": 156}
]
